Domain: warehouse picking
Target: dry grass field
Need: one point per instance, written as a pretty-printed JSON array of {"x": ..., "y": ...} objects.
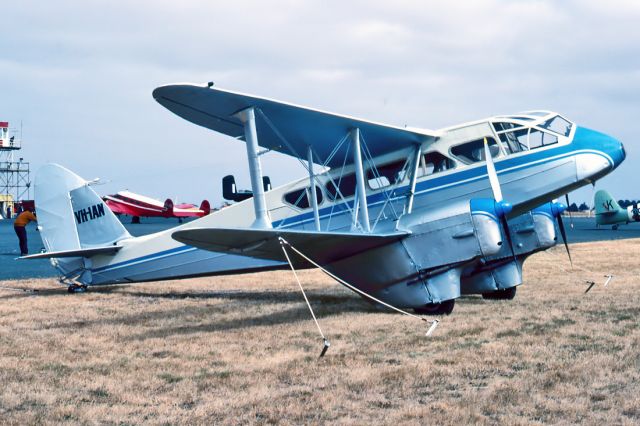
[{"x": 243, "y": 349}]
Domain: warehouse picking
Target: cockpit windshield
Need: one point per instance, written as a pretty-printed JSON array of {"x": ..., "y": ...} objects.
[
  {"x": 525, "y": 136},
  {"x": 557, "y": 125}
]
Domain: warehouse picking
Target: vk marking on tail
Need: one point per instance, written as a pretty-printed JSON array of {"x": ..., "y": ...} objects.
[{"x": 89, "y": 213}]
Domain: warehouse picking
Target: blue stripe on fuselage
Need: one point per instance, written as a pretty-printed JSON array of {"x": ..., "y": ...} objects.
[{"x": 436, "y": 183}]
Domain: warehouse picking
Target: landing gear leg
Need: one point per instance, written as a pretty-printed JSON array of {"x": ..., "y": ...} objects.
[{"x": 76, "y": 288}]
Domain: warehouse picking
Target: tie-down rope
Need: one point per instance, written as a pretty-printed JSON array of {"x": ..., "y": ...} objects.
[{"x": 284, "y": 243}]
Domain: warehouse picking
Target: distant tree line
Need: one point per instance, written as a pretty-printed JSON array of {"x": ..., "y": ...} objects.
[
  {"x": 584, "y": 207},
  {"x": 578, "y": 208},
  {"x": 626, "y": 203}
]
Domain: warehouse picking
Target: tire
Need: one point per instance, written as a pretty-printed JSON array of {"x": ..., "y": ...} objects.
[
  {"x": 507, "y": 294},
  {"x": 444, "y": 308}
]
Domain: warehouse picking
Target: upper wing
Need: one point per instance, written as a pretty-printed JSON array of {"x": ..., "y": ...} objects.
[
  {"x": 322, "y": 247},
  {"x": 301, "y": 127}
]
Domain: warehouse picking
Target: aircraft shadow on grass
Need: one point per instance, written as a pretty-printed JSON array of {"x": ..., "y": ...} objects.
[{"x": 325, "y": 305}]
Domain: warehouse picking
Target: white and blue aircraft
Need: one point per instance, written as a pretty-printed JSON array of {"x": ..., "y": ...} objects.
[{"x": 413, "y": 217}]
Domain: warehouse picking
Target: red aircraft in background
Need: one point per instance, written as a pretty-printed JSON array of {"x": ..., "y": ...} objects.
[{"x": 125, "y": 202}]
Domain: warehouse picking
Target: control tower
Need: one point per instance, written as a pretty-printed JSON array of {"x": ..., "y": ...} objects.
[{"x": 15, "y": 183}]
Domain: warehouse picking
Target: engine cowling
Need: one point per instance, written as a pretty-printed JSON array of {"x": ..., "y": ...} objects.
[{"x": 633, "y": 212}]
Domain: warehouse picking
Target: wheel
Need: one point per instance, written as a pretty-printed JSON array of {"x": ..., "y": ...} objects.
[
  {"x": 444, "y": 308},
  {"x": 507, "y": 294},
  {"x": 76, "y": 288}
]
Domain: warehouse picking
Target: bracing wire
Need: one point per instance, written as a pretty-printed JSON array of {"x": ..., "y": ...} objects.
[
  {"x": 283, "y": 242},
  {"x": 306, "y": 167},
  {"x": 306, "y": 299}
]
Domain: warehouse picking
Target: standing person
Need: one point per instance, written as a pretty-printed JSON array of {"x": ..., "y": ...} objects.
[{"x": 20, "y": 227}]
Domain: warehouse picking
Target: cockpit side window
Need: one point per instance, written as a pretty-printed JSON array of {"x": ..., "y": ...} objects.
[
  {"x": 434, "y": 162},
  {"x": 538, "y": 138},
  {"x": 558, "y": 125},
  {"x": 472, "y": 152},
  {"x": 515, "y": 141},
  {"x": 525, "y": 139}
]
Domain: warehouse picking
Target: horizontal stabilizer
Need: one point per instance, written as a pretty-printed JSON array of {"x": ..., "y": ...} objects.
[
  {"x": 322, "y": 247},
  {"x": 87, "y": 252}
]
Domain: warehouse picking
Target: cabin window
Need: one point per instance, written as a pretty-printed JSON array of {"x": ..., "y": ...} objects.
[
  {"x": 472, "y": 152},
  {"x": 300, "y": 197},
  {"x": 434, "y": 162},
  {"x": 558, "y": 125},
  {"x": 387, "y": 174},
  {"x": 346, "y": 184}
]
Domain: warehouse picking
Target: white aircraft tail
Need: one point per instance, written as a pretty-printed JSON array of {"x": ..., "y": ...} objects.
[{"x": 71, "y": 216}]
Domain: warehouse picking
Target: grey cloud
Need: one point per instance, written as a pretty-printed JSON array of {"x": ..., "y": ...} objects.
[{"x": 81, "y": 74}]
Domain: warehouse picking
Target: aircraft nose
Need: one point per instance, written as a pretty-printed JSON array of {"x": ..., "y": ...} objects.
[{"x": 610, "y": 153}]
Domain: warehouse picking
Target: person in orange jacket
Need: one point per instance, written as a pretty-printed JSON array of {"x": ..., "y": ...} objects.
[{"x": 20, "y": 227}]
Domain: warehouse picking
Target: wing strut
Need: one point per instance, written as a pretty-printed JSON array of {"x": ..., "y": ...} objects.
[
  {"x": 248, "y": 118},
  {"x": 361, "y": 190},
  {"x": 414, "y": 177},
  {"x": 312, "y": 185}
]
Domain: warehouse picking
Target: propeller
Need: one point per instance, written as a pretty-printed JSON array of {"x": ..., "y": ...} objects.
[
  {"x": 502, "y": 207},
  {"x": 557, "y": 209},
  {"x": 566, "y": 197}
]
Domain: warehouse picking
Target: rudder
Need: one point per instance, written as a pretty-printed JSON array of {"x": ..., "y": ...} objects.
[
  {"x": 604, "y": 203},
  {"x": 71, "y": 216}
]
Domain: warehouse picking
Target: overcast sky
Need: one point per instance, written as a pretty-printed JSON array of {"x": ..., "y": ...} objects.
[{"x": 80, "y": 75}]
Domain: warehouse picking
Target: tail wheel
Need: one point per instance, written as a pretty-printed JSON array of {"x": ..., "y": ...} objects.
[
  {"x": 507, "y": 294},
  {"x": 444, "y": 308}
]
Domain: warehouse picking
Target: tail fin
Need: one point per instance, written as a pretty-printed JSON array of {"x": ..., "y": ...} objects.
[
  {"x": 604, "y": 203},
  {"x": 205, "y": 207},
  {"x": 71, "y": 216},
  {"x": 167, "y": 210}
]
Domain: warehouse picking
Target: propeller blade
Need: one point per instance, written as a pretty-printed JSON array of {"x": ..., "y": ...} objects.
[
  {"x": 491, "y": 171},
  {"x": 563, "y": 233},
  {"x": 497, "y": 194},
  {"x": 566, "y": 197},
  {"x": 507, "y": 232}
]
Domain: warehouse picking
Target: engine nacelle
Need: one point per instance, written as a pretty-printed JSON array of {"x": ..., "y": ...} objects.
[
  {"x": 530, "y": 233},
  {"x": 633, "y": 212},
  {"x": 425, "y": 267}
]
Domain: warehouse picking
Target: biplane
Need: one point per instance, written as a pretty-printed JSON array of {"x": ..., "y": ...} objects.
[{"x": 414, "y": 217}]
